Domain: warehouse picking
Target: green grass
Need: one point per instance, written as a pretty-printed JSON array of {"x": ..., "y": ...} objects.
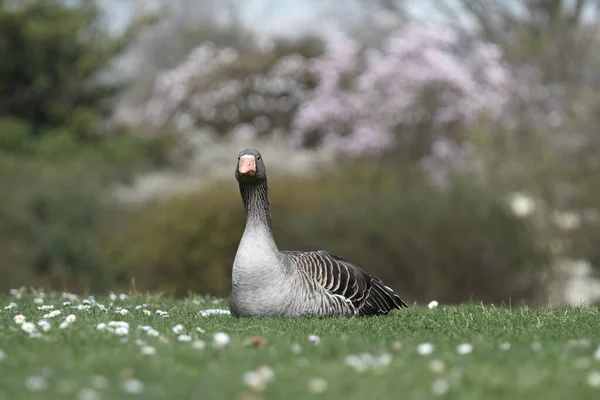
[{"x": 551, "y": 354}]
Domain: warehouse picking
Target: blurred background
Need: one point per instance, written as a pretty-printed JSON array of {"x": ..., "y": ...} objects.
[{"x": 452, "y": 148}]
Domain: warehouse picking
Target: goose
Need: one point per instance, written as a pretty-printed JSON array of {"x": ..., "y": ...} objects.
[{"x": 267, "y": 282}]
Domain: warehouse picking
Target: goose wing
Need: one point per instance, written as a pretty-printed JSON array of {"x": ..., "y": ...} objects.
[{"x": 340, "y": 277}]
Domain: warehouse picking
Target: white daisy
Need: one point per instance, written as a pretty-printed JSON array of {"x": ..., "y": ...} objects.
[
  {"x": 220, "y": 340},
  {"x": 147, "y": 312},
  {"x": 425, "y": 349},
  {"x": 317, "y": 385},
  {"x": 437, "y": 366},
  {"x": 53, "y": 314},
  {"x": 70, "y": 318},
  {"x": 384, "y": 359},
  {"x": 464, "y": 348},
  {"x": 177, "y": 329},
  {"x": 101, "y": 326},
  {"x": 593, "y": 379},
  {"x": 122, "y": 331},
  {"x": 199, "y": 344},
  {"x": 254, "y": 381},
  {"x": 19, "y": 319},
  {"x": 314, "y": 339},
  {"x": 440, "y": 386},
  {"x": 36, "y": 383},
  {"x": 184, "y": 338},
  {"x": 148, "y": 350},
  {"x": 87, "y": 393},
  {"x": 28, "y": 327},
  {"x": 536, "y": 346},
  {"x": 267, "y": 373},
  {"x": 296, "y": 348},
  {"x": 433, "y": 304},
  {"x": 133, "y": 386}
]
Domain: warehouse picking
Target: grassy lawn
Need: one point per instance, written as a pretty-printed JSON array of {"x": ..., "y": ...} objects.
[{"x": 466, "y": 352}]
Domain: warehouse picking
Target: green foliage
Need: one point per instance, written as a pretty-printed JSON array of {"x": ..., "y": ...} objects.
[
  {"x": 81, "y": 361},
  {"x": 52, "y": 55},
  {"x": 54, "y": 204},
  {"x": 426, "y": 242}
]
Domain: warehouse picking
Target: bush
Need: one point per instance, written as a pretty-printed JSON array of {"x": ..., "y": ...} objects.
[
  {"x": 427, "y": 242},
  {"x": 54, "y": 204}
]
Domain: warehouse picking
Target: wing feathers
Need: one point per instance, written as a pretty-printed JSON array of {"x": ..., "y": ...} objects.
[{"x": 366, "y": 294}]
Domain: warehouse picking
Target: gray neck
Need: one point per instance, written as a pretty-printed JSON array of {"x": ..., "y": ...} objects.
[{"x": 258, "y": 213}]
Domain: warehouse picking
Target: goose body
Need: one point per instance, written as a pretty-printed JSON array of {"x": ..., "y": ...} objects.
[{"x": 269, "y": 282}]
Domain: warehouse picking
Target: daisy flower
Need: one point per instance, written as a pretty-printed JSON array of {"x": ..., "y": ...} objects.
[
  {"x": 28, "y": 327},
  {"x": 220, "y": 340},
  {"x": 254, "y": 381},
  {"x": 464, "y": 348},
  {"x": 133, "y": 386},
  {"x": 440, "y": 386},
  {"x": 19, "y": 319},
  {"x": 317, "y": 385},
  {"x": 425, "y": 349},
  {"x": 148, "y": 350},
  {"x": 44, "y": 325},
  {"x": 53, "y": 314},
  {"x": 314, "y": 339},
  {"x": 122, "y": 331},
  {"x": 184, "y": 338},
  {"x": 199, "y": 344},
  {"x": 177, "y": 329}
]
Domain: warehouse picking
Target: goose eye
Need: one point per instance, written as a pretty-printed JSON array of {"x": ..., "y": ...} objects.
[{"x": 258, "y": 158}]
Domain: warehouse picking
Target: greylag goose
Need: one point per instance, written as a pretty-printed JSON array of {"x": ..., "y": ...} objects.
[{"x": 269, "y": 282}]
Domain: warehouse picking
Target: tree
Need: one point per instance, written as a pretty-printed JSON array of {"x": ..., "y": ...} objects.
[
  {"x": 555, "y": 35},
  {"x": 53, "y": 55}
]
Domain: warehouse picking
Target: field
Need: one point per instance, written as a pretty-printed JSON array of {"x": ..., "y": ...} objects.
[{"x": 152, "y": 347}]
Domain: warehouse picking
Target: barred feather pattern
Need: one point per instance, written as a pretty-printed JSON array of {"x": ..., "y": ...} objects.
[{"x": 341, "y": 287}]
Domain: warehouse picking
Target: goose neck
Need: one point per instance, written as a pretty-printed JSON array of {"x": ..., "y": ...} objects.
[{"x": 257, "y": 207}]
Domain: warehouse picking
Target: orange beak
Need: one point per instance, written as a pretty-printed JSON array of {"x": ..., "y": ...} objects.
[{"x": 247, "y": 165}]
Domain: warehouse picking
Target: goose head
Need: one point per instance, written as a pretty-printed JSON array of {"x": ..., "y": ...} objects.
[{"x": 250, "y": 167}]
